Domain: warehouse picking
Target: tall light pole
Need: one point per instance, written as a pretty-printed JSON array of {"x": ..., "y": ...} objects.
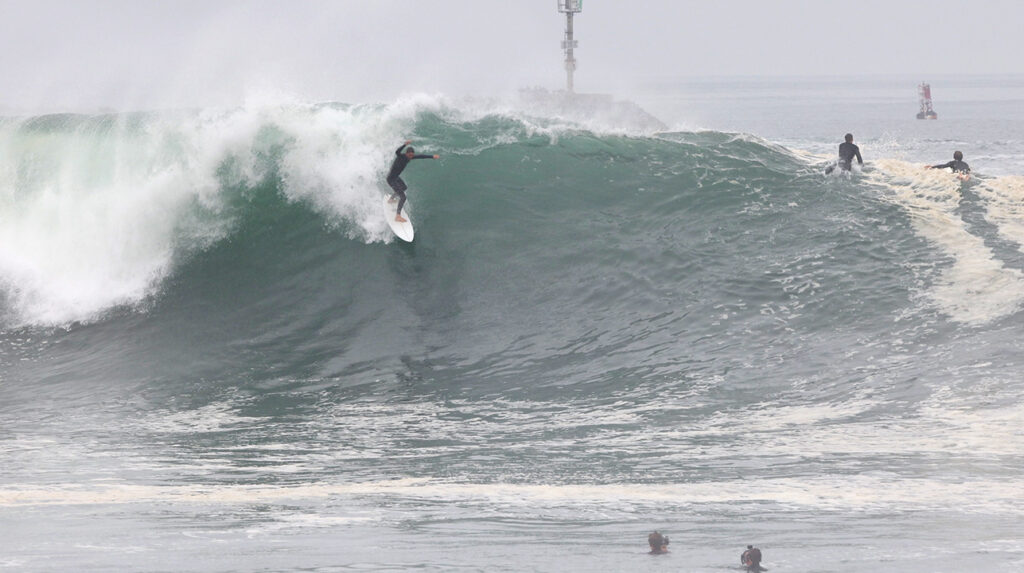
[{"x": 569, "y": 7}]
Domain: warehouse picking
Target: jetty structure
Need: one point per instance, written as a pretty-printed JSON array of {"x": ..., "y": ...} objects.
[
  {"x": 569, "y": 8},
  {"x": 587, "y": 108},
  {"x": 924, "y": 93}
]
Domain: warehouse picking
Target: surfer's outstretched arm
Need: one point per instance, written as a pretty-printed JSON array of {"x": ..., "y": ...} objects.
[{"x": 426, "y": 157}]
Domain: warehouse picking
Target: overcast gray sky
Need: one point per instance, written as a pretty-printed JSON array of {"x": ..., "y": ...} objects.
[{"x": 85, "y": 54}]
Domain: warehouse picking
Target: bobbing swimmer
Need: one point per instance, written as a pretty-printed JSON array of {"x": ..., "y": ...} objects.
[
  {"x": 658, "y": 543},
  {"x": 751, "y": 559}
]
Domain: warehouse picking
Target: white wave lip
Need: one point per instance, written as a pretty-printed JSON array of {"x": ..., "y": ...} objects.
[
  {"x": 79, "y": 234},
  {"x": 91, "y": 216},
  {"x": 95, "y": 216}
]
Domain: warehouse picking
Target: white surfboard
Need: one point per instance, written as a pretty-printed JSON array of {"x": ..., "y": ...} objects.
[{"x": 402, "y": 230}]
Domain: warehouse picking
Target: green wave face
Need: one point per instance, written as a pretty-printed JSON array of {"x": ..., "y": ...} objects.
[{"x": 545, "y": 250}]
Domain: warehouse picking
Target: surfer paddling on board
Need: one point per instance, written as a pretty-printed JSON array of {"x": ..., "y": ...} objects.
[
  {"x": 401, "y": 160},
  {"x": 958, "y": 165},
  {"x": 658, "y": 543},
  {"x": 847, "y": 151}
]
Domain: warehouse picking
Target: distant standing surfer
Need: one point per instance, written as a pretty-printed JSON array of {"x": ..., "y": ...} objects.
[
  {"x": 958, "y": 165},
  {"x": 847, "y": 151},
  {"x": 396, "y": 183}
]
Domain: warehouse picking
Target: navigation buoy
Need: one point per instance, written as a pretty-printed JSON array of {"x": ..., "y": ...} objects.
[{"x": 924, "y": 91}]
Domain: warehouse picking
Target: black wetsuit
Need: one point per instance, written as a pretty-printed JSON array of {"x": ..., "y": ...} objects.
[
  {"x": 847, "y": 151},
  {"x": 396, "y": 183},
  {"x": 956, "y": 165}
]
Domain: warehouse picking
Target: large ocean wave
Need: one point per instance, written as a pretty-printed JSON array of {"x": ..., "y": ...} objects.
[{"x": 595, "y": 244}]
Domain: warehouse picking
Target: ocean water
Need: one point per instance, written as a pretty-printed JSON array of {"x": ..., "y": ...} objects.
[{"x": 214, "y": 356}]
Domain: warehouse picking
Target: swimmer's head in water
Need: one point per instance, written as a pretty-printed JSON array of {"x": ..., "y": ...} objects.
[{"x": 657, "y": 541}]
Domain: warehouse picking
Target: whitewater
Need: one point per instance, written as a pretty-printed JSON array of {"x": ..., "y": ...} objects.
[{"x": 214, "y": 355}]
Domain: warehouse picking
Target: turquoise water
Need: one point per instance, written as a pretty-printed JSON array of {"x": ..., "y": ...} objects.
[{"x": 215, "y": 357}]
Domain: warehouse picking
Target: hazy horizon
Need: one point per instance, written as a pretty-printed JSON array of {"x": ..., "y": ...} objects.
[{"x": 60, "y": 55}]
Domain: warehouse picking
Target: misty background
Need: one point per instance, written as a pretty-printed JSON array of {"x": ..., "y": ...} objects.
[{"x": 125, "y": 54}]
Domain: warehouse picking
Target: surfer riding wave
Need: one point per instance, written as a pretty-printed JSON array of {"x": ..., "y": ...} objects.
[{"x": 393, "y": 179}]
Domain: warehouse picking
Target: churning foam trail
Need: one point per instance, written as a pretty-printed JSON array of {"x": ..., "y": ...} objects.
[
  {"x": 95, "y": 211},
  {"x": 977, "y": 288},
  {"x": 1004, "y": 203}
]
